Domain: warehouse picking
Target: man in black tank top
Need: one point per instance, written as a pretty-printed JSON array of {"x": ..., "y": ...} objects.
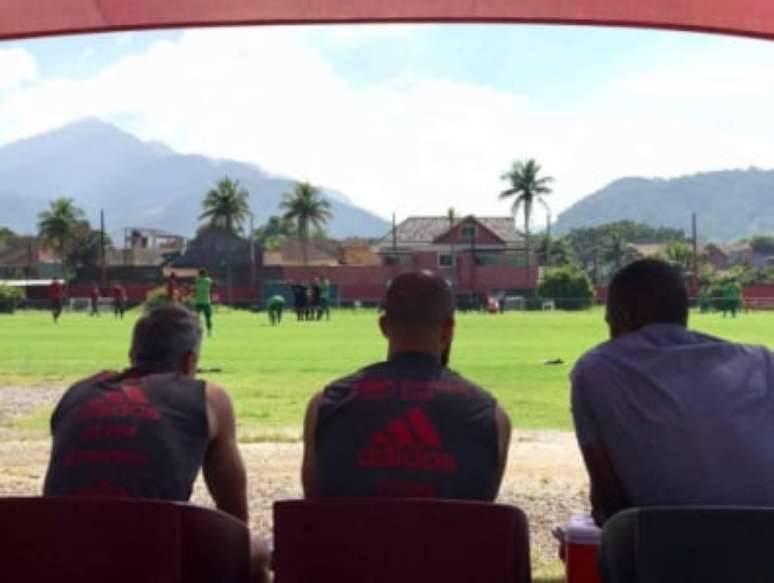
[
  {"x": 145, "y": 432},
  {"x": 407, "y": 427}
]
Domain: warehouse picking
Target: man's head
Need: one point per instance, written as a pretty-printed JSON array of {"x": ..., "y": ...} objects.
[
  {"x": 172, "y": 275},
  {"x": 167, "y": 339},
  {"x": 419, "y": 314},
  {"x": 645, "y": 292},
  {"x": 202, "y": 273}
]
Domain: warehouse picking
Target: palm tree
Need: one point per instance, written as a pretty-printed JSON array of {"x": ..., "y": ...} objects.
[
  {"x": 306, "y": 206},
  {"x": 60, "y": 225},
  {"x": 226, "y": 206},
  {"x": 617, "y": 253},
  {"x": 526, "y": 188}
]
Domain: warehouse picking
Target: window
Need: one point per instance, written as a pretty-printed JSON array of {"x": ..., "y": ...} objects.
[
  {"x": 468, "y": 231},
  {"x": 398, "y": 259},
  {"x": 445, "y": 260}
]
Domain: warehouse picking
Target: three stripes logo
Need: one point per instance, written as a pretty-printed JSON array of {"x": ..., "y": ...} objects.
[{"x": 410, "y": 442}]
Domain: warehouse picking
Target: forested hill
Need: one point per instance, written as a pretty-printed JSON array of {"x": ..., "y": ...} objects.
[
  {"x": 140, "y": 184},
  {"x": 730, "y": 204}
]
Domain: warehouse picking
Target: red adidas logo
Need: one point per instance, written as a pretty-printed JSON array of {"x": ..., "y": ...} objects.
[{"x": 410, "y": 442}]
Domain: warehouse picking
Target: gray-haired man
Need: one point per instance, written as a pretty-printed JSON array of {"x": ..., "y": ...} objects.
[{"x": 146, "y": 431}]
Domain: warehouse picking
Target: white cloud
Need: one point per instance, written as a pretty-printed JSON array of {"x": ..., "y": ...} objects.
[
  {"x": 409, "y": 144},
  {"x": 17, "y": 67}
]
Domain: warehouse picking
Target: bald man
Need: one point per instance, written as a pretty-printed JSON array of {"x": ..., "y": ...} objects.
[{"x": 408, "y": 426}]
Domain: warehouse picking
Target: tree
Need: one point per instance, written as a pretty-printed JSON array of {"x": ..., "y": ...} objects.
[
  {"x": 6, "y": 235},
  {"x": 554, "y": 252},
  {"x": 84, "y": 250},
  {"x": 58, "y": 226},
  {"x": 226, "y": 206},
  {"x": 617, "y": 253},
  {"x": 763, "y": 244},
  {"x": 276, "y": 230},
  {"x": 599, "y": 249},
  {"x": 306, "y": 207},
  {"x": 527, "y": 187},
  {"x": 680, "y": 255},
  {"x": 569, "y": 287}
]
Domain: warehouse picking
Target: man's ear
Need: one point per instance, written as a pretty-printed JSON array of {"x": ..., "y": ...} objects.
[
  {"x": 384, "y": 326},
  {"x": 620, "y": 321},
  {"x": 189, "y": 364},
  {"x": 447, "y": 331}
]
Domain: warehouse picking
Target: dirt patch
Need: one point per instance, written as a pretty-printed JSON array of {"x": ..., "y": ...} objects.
[
  {"x": 21, "y": 401},
  {"x": 545, "y": 475}
]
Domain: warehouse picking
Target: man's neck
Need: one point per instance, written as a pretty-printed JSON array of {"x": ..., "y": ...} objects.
[{"x": 413, "y": 351}]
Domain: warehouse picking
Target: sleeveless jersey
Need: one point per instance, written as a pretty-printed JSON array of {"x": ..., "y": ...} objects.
[
  {"x": 128, "y": 435},
  {"x": 408, "y": 427}
]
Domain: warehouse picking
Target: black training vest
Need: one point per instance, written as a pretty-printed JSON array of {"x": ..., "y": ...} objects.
[
  {"x": 129, "y": 435},
  {"x": 408, "y": 427}
]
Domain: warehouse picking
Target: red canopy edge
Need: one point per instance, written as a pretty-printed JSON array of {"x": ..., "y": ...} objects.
[{"x": 27, "y": 18}]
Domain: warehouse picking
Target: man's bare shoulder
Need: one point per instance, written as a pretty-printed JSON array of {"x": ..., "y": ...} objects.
[
  {"x": 217, "y": 397},
  {"x": 220, "y": 410}
]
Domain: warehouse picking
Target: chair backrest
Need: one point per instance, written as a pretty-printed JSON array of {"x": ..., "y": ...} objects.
[
  {"x": 687, "y": 544},
  {"x": 93, "y": 540},
  {"x": 371, "y": 540}
]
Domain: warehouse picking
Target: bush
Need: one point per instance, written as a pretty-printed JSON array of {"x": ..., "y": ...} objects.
[
  {"x": 569, "y": 287},
  {"x": 10, "y": 298},
  {"x": 158, "y": 297}
]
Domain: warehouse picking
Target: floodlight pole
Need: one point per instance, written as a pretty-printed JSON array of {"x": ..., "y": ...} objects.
[
  {"x": 252, "y": 254},
  {"x": 694, "y": 233},
  {"x": 103, "y": 262}
]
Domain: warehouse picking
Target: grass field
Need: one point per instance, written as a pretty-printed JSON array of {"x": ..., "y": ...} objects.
[{"x": 271, "y": 372}]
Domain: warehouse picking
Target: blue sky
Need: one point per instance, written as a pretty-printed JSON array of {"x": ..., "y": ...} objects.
[{"x": 413, "y": 118}]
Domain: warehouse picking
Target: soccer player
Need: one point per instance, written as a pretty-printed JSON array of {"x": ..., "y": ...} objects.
[
  {"x": 274, "y": 306},
  {"x": 299, "y": 300},
  {"x": 732, "y": 298},
  {"x": 325, "y": 299},
  {"x": 56, "y": 297},
  {"x": 94, "y": 300},
  {"x": 203, "y": 298},
  {"x": 316, "y": 308},
  {"x": 171, "y": 288},
  {"x": 119, "y": 300}
]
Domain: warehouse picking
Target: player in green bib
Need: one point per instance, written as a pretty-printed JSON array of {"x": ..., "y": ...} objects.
[
  {"x": 274, "y": 306},
  {"x": 325, "y": 299},
  {"x": 203, "y": 298}
]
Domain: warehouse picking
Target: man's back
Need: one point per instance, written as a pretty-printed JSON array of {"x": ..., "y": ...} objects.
[
  {"x": 685, "y": 418},
  {"x": 137, "y": 436},
  {"x": 407, "y": 427},
  {"x": 202, "y": 290}
]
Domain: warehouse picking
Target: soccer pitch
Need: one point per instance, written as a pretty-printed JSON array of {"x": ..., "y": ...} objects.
[{"x": 271, "y": 372}]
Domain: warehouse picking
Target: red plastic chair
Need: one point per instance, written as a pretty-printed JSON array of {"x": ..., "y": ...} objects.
[
  {"x": 370, "y": 540},
  {"x": 100, "y": 540}
]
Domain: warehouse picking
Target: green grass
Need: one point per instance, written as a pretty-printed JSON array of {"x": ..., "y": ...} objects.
[{"x": 271, "y": 372}]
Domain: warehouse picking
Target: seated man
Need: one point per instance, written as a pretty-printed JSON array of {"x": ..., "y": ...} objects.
[
  {"x": 667, "y": 416},
  {"x": 146, "y": 431},
  {"x": 408, "y": 426}
]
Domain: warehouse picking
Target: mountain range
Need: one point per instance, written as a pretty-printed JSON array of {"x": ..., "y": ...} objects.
[
  {"x": 729, "y": 204},
  {"x": 140, "y": 184}
]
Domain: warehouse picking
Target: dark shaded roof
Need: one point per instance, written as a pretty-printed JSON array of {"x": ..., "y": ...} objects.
[
  {"x": 428, "y": 229},
  {"x": 317, "y": 250}
]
